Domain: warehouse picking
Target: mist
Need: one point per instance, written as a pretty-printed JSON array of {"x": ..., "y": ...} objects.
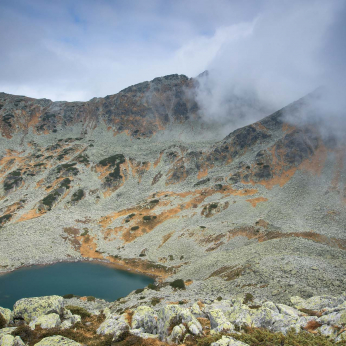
[{"x": 289, "y": 50}]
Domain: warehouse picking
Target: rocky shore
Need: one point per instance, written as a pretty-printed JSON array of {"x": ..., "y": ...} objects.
[{"x": 53, "y": 320}]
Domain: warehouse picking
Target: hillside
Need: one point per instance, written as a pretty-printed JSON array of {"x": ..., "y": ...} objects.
[{"x": 138, "y": 179}]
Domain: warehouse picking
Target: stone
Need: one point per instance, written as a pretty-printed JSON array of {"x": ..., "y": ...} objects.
[
  {"x": 144, "y": 317},
  {"x": 46, "y": 321},
  {"x": 114, "y": 325},
  {"x": 177, "y": 334},
  {"x": 341, "y": 337},
  {"x": 6, "y": 340},
  {"x": 196, "y": 311},
  {"x": 141, "y": 334},
  {"x": 6, "y": 314},
  {"x": 7, "y": 330},
  {"x": 287, "y": 310},
  {"x": 335, "y": 318},
  {"x": 57, "y": 341},
  {"x": 31, "y": 308},
  {"x": 228, "y": 341},
  {"x": 218, "y": 321},
  {"x": 316, "y": 303},
  {"x": 328, "y": 331},
  {"x": 18, "y": 341}
]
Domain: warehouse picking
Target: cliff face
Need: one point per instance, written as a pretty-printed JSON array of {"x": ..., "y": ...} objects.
[{"x": 138, "y": 179}]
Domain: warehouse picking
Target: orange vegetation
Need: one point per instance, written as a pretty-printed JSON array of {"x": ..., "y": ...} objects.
[
  {"x": 255, "y": 201},
  {"x": 32, "y": 214},
  {"x": 202, "y": 173}
]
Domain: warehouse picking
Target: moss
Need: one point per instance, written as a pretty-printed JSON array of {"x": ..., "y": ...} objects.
[
  {"x": 78, "y": 195},
  {"x": 178, "y": 284},
  {"x": 77, "y": 310},
  {"x": 171, "y": 258}
]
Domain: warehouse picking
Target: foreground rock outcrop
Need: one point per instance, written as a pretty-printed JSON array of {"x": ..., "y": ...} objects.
[{"x": 220, "y": 320}]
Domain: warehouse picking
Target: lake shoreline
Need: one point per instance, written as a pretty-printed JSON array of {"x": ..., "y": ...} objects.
[{"x": 118, "y": 266}]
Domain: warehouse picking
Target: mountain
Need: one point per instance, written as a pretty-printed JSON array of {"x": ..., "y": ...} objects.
[{"x": 139, "y": 179}]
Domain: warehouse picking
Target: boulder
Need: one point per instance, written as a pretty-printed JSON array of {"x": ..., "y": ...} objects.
[
  {"x": 141, "y": 334},
  {"x": 328, "y": 331},
  {"x": 6, "y": 314},
  {"x": 57, "y": 341},
  {"x": 31, "y": 308},
  {"x": 218, "y": 321},
  {"x": 114, "y": 325},
  {"x": 174, "y": 313},
  {"x": 228, "y": 341},
  {"x": 177, "y": 334},
  {"x": 341, "y": 337},
  {"x": 145, "y": 318},
  {"x": 288, "y": 310},
  {"x": 46, "y": 321},
  {"x": 316, "y": 303},
  {"x": 7, "y": 330},
  {"x": 6, "y": 340},
  {"x": 335, "y": 318}
]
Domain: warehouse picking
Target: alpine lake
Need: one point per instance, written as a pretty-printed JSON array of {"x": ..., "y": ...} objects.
[{"x": 78, "y": 278}]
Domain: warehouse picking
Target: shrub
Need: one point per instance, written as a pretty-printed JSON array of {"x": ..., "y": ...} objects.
[
  {"x": 139, "y": 290},
  {"x": 152, "y": 287},
  {"x": 134, "y": 228},
  {"x": 68, "y": 296},
  {"x": 78, "y": 195},
  {"x": 24, "y": 332},
  {"x": 155, "y": 301},
  {"x": 85, "y": 232},
  {"x": 91, "y": 298},
  {"x": 77, "y": 310},
  {"x": 219, "y": 299},
  {"x": 179, "y": 284},
  {"x": 147, "y": 218},
  {"x": 248, "y": 298},
  {"x": 130, "y": 216}
]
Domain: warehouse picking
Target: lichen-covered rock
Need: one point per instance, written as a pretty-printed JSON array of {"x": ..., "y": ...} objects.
[
  {"x": 177, "y": 334},
  {"x": 114, "y": 325},
  {"x": 31, "y": 308},
  {"x": 288, "y": 310},
  {"x": 144, "y": 317},
  {"x": 18, "y": 341},
  {"x": 69, "y": 322},
  {"x": 341, "y": 337},
  {"x": 283, "y": 323},
  {"x": 196, "y": 310},
  {"x": 170, "y": 313},
  {"x": 335, "y": 318},
  {"x": 46, "y": 321},
  {"x": 141, "y": 334},
  {"x": 6, "y": 314},
  {"x": 218, "y": 321},
  {"x": 328, "y": 331},
  {"x": 6, "y": 340},
  {"x": 228, "y": 341},
  {"x": 7, "y": 330},
  {"x": 316, "y": 303},
  {"x": 57, "y": 341}
]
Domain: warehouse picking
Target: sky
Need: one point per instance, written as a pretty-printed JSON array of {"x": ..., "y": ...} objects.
[{"x": 270, "y": 52}]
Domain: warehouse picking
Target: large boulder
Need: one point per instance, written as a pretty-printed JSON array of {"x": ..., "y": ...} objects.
[
  {"x": 57, "y": 341},
  {"x": 316, "y": 303},
  {"x": 145, "y": 318},
  {"x": 30, "y": 308},
  {"x": 218, "y": 321},
  {"x": 114, "y": 325},
  {"x": 6, "y": 314},
  {"x": 46, "y": 321}
]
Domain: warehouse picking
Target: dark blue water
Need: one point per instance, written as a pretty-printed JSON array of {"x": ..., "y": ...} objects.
[{"x": 79, "y": 278}]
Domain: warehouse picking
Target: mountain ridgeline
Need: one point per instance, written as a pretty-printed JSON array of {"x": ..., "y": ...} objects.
[{"x": 140, "y": 180}]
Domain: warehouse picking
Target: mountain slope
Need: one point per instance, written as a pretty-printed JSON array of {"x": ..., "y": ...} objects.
[{"x": 139, "y": 180}]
